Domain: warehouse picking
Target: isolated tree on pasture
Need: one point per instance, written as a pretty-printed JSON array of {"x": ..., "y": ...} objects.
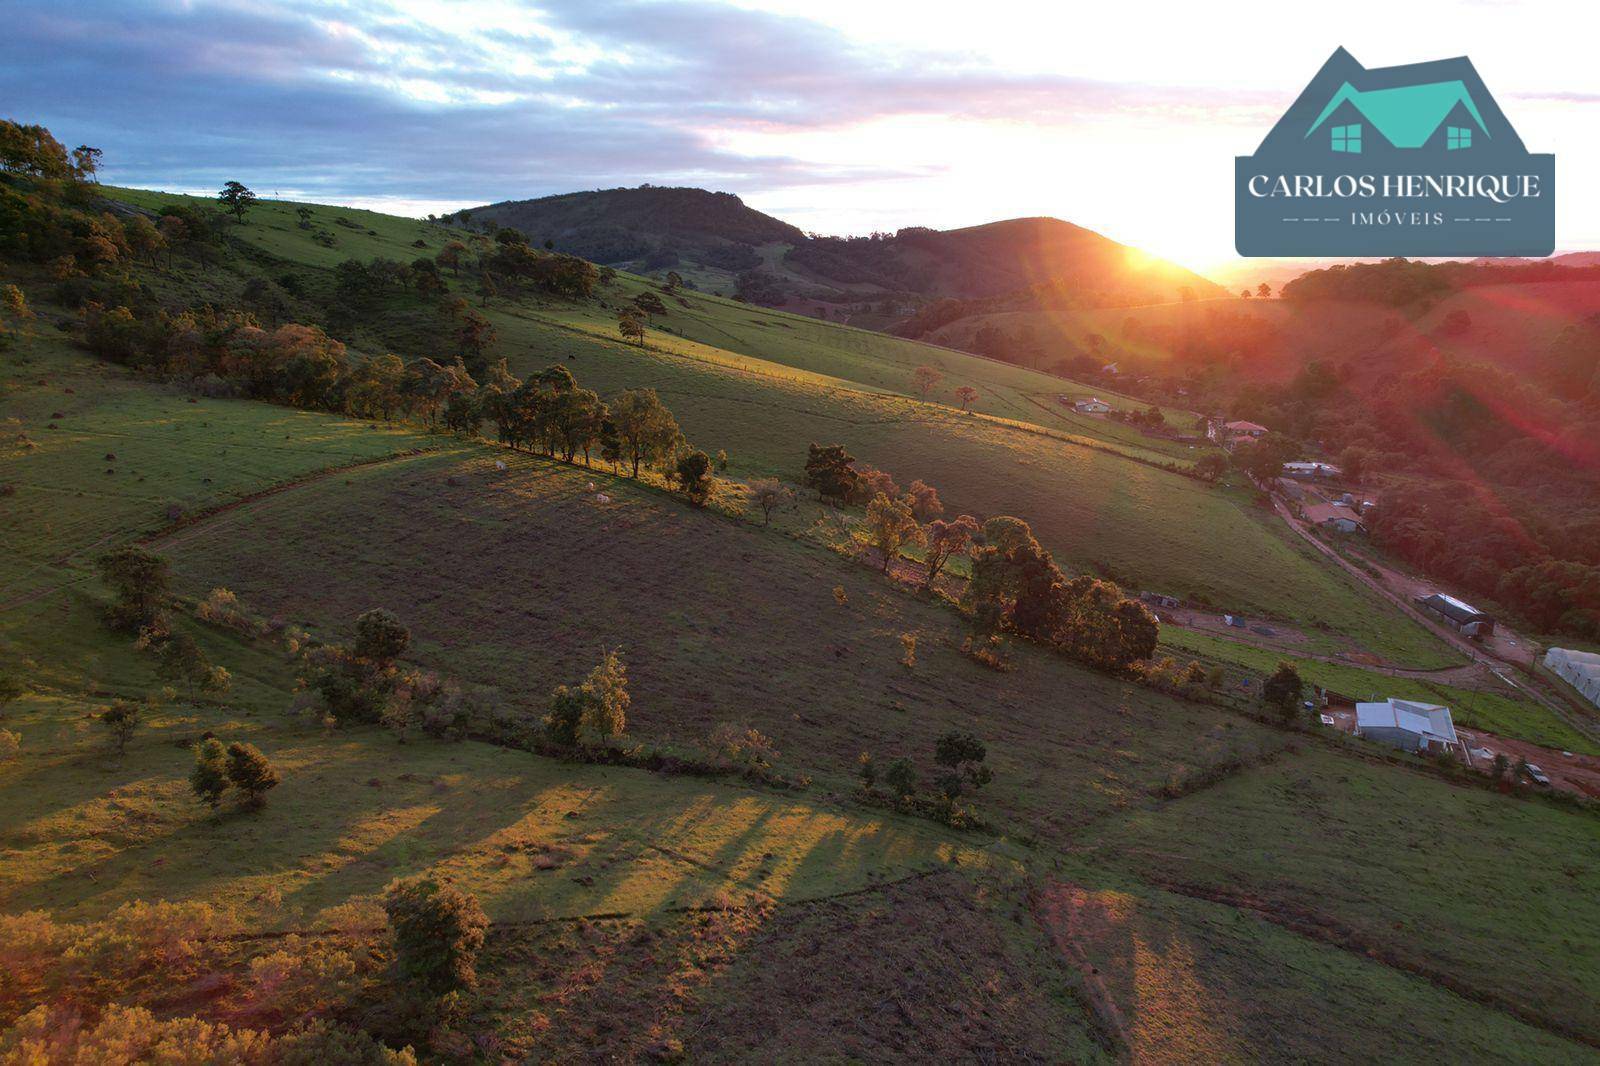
[
  {"x": 139, "y": 580},
  {"x": 924, "y": 500},
  {"x": 646, "y": 430},
  {"x": 86, "y": 162},
  {"x": 209, "y": 778},
  {"x": 381, "y": 637},
  {"x": 1264, "y": 291},
  {"x": 962, "y": 755},
  {"x": 1244, "y": 294},
  {"x": 630, "y": 323},
  {"x": 1283, "y": 689},
  {"x": 251, "y": 773},
  {"x": 890, "y": 526},
  {"x": 236, "y": 199},
  {"x": 180, "y": 660},
  {"x": 946, "y": 540},
  {"x": 121, "y": 720},
  {"x": 769, "y": 494},
  {"x": 608, "y": 275},
  {"x": 926, "y": 379},
  {"x": 831, "y": 471},
  {"x": 965, "y": 394},
  {"x": 650, "y": 303},
  {"x": 438, "y": 932},
  {"x": 693, "y": 475}
]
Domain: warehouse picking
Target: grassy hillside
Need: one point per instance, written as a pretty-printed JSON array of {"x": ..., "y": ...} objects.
[
  {"x": 763, "y": 384},
  {"x": 1138, "y": 888}
]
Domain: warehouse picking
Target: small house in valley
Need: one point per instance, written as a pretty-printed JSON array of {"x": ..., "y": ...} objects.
[
  {"x": 1333, "y": 516},
  {"x": 1092, "y": 406},
  {"x": 1408, "y": 725}
]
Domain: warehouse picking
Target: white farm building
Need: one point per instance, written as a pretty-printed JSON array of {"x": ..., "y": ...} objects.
[
  {"x": 1580, "y": 669},
  {"x": 1406, "y": 724}
]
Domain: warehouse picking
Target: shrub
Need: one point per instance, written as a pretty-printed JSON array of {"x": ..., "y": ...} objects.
[
  {"x": 742, "y": 746},
  {"x": 251, "y": 773},
  {"x": 305, "y": 977},
  {"x": 209, "y": 778},
  {"x": 867, "y": 767},
  {"x": 901, "y": 777},
  {"x": 962, "y": 756},
  {"x": 380, "y": 636},
  {"x": 594, "y": 713},
  {"x": 121, "y": 720},
  {"x": 10, "y": 745},
  {"x": 11, "y": 689},
  {"x": 438, "y": 931},
  {"x": 320, "y": 1041},
  {"x": 908, "y": 650}
]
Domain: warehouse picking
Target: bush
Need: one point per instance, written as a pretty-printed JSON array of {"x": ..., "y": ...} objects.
[
  {"x": 209, "y": 778},
  {"x": 121, "y": 719},
  {"x": 10, "y": 745},
  {"x": 251, "y": 773},
  {"x": 901, "y": 777},
  {"x": 438, "y": 931},
  {"x": 742, "y": 746}
]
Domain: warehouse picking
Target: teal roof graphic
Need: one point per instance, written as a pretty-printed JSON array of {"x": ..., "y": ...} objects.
[{"x": 1408, "y": 114}]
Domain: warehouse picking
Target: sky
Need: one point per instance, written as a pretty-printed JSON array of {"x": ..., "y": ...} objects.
[{"x": 841, "y": 116}]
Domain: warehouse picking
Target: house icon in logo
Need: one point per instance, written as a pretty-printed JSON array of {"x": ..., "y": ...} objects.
[
  {"x": 1438, "y": 116},
  {"x": 1415, "y": 160}
]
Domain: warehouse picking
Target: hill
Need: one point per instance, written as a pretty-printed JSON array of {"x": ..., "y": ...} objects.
[{"x": 718, "y": 243}]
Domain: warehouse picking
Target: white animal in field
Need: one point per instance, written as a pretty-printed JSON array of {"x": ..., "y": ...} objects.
[
  {"x": 591, "y": 487},
  {"x": 602, "y": 498},
  {"x": 499, "y": 464}
]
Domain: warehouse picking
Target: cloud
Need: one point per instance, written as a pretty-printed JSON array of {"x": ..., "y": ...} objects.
[{"x": 429, "y": 100}]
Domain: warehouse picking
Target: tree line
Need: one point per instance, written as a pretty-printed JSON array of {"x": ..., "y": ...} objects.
[{"x": 1016, "y": 586}]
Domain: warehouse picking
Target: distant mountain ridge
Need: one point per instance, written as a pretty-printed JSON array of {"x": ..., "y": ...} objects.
[{"x": 719, "y": 243}]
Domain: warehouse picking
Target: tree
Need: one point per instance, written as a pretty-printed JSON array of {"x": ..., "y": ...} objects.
[
  {"x": 891, "y": 525},
  {"x": 650, "y": 303},
  {"x": 965, "y": 394},
  {"x": 596, "y": 711},
  {"x": 926, "y": 379},
  {"x": 179, "y": 659},
  {"x": 236, "y": 199},
  {"x": 1244, "y": 294},
  {"x": 646, "y": 430},
  {"x": 1283, "y": 689},
  {"x": 11, "y": 689},
  {"x": 924, "y": 501},
  {"x": 209, "y": 778},
  {"x": 438, "y": 932},
  {"x": 139, "y": 581},
  {"x": 901, "y": 777},
  {"x": 381, "y": 637},
  {"x": 630, "y": 323},
  {"x": 831, "y": 471},
  {"x": 251, "y": 773},
  {"x": 1211, "y": 466},
  {"x": 867, "y": 767},
  {"x": 693, "y": 474},
  {"x": 121, "y": 719},
  {"x": 946, "y": 540},
  {"x": 769, "y": 494},
  {"x": 1264, "y": 291},
  {"x": 962, "y": 755},
  {"x": 451, "y": 257}
]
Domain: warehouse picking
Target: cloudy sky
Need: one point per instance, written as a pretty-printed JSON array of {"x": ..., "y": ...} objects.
[{"x": 842, "y": 116}]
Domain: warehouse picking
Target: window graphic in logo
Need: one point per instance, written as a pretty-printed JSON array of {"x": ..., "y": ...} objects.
[{"x": 1415, "y": 161}]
